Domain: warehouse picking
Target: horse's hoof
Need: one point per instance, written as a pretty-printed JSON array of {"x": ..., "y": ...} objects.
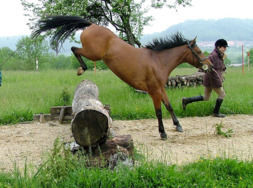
[
  {"x": 163, "y": 136},
  {"x": 179, "y": 128},
  {"x": 80, "y": 71}
]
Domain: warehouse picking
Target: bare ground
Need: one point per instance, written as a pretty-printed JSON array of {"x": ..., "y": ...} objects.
[{"x": 30, "y": 142}]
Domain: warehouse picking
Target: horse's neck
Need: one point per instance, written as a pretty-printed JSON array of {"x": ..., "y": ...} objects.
[{"x": 173, "y": 57}]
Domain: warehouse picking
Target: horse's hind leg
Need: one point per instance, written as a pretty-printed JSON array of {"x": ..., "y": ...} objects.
[
  {"x": 170, "y": 109},
  {"x": 77, "y": 53},
  {"x": 158, "y": 111}
]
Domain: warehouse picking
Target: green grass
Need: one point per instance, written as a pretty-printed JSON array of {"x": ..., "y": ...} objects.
[
  {"x": 25, "y": 93},
  {"x": 62, "y": 169}
]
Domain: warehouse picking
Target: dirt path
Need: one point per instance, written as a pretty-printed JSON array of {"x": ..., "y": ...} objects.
[{"x": 30, "y": 142}]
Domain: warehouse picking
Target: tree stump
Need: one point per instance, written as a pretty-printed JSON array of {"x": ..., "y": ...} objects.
[
  {"x": 119, "y": 149},
  {"x": 90, "y": 124}
]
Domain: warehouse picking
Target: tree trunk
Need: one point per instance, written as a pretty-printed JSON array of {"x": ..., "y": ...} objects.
[
  {"x": 113, "y": 151},
  {"x": 129, "y": 33},
  {"x": 119, "y": 149},
  {"x": 91, "y": 120}
]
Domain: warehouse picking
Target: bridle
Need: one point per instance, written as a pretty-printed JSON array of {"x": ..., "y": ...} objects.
[
  {"x": 195, "y": 53},
  {"x": 201, "y": 60}
]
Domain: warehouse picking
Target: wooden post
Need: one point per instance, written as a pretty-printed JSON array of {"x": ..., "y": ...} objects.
[
  {"x": 242, "y": 60},
  {"x": 95, "y": 67},
  {"x": 248, "y": 59},
  {"x": 42, "y": 118},
  {"x": 37, "y": 64},
  {"x": 61, "y": 114},
  {"x": 90, "y": 124}
]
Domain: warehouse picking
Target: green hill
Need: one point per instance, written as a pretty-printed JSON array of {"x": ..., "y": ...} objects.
[{"x": 232, "y": 29}]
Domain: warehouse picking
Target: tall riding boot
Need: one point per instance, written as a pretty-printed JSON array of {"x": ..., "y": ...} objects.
[
  {"x": 186, "y": 101},
  {"x": 216, "y": 111}
]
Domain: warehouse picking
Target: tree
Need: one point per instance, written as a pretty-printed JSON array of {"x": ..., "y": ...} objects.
[
  {"x": 31, "y": 49},
  {"x": 128, "y": 17},
  {"x": 5, "y": 54}
]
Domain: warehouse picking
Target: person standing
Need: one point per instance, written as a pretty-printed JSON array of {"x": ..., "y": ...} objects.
[{"x": 213, "y": 78}]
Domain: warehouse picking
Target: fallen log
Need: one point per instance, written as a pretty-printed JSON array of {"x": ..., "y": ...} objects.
[
  {"x": 185, "y": 80},
  {"x": 91, "y": 129},
  {"x": 90, "y": 124}
]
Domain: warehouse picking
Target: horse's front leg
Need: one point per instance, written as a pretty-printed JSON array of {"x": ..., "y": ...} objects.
[
  {"x": 173, "y": 115},
  {"x": 77, "y": 52},
  {"x": 158, "y": 111}
]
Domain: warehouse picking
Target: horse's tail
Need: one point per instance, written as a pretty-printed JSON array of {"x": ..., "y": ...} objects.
[{"x": 64, "y": 25}]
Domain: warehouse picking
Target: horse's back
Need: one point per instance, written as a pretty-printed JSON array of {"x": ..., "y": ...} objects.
[{"x": 95, "y": 41}]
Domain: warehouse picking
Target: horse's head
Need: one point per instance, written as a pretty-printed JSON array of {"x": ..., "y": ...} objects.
[{"x": 196, "y": 57}]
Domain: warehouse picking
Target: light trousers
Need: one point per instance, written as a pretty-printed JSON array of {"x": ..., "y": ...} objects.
[{"x": 220, "y": 92}]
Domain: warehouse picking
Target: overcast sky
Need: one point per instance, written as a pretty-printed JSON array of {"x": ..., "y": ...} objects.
[{"x": 13, "y": 22}]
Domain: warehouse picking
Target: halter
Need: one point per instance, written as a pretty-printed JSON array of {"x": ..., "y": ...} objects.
[{"x": 195, "y": 53}]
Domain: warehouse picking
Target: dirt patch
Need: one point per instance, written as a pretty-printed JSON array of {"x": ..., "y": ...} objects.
[{"x": 29, "y": 142}]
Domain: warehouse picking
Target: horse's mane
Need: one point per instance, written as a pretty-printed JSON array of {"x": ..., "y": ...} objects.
[{"x": 173, "y": 41}]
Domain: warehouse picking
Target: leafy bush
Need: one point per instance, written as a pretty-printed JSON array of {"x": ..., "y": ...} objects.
[{"x": 64, "y": 98}]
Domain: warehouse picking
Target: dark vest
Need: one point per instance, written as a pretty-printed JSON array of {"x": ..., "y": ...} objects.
[{"x": 214, "y": 78}]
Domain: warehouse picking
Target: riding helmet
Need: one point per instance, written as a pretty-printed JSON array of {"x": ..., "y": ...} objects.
[{"x": 221, "y": 43}]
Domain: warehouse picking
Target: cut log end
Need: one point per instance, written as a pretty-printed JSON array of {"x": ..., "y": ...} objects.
[{"x": 90, "y": 127}]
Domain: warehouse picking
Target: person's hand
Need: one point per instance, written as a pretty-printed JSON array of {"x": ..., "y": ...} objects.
[{"x": 210, "y": 68}]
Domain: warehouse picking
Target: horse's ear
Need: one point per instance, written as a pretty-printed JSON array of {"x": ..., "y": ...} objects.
[{"x": 193, "y": 42}]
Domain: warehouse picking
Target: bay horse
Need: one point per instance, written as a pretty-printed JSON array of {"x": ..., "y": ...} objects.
[{"x": 144, "y": 68}]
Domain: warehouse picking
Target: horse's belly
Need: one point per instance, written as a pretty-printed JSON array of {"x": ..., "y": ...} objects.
[{"x": 134, "y": 78}]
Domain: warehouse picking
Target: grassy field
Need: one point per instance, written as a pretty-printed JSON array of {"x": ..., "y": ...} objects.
[{"x": 25, "y": 93}]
